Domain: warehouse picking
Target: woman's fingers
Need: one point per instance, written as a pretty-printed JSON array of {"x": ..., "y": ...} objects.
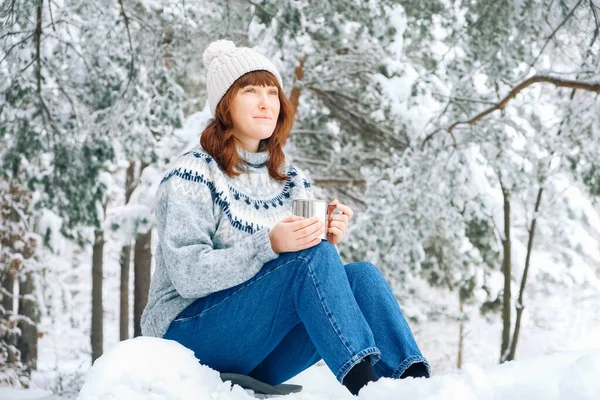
[
  {"x": 337, "y": 224},
  {"x": 311, "y": 240},
  {"x": 292, "y": 218},
  {"x": 338, "y": 227},
  {"x": 346, "y": 210},
  {"x": 310, "y": 244},
  {"x": 336, "y": 231},
  {"x": 339, "y": 217},
  {"x": 307, "y": 231},
  {"x": 343, "y": 208},
  {"x": 310, "y": 232},
  {"x": 303, "y": 223}
]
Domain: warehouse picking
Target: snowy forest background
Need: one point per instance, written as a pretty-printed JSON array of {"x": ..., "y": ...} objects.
[{"x": 464, "y": 135}]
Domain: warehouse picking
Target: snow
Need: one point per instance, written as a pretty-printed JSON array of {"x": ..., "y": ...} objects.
[
  {"x": 9, "y": 393},
  {"x": 186, "y": 137},
  {"x": 50, "y": 223},
  {"x": 158, "y": 369},
  {"x": 150, "y": 368},
  {"x": 128, "y": 221},
  {"x": 415, "y": 110},
  {"x": 397, "y": 18},
  {"x": 479, "y": 83}
]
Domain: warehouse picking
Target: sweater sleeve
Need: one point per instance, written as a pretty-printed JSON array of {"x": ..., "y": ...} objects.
[{"x": 186, "y": 225}]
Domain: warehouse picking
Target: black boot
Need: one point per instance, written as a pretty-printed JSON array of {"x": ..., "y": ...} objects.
[
  {"x": 416, "y": 370},
  {"x": 361, "y": 374}
]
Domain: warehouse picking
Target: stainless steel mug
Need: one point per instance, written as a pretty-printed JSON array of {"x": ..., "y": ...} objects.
[{"x": 308, "y": 208}]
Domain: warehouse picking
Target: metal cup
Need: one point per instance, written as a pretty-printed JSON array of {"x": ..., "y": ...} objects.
[{"x": 308, "y": 208}]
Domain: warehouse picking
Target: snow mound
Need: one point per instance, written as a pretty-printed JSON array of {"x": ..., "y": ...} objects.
[
  {"x": 154, "y": 369},
  {"x": 561, "y": 376},
  {"x": 581, "y": 380}
]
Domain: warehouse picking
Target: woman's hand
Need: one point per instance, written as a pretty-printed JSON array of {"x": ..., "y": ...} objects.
[
  {"x": 295, "y": 233},
  {"x": 338, "y": 223}
]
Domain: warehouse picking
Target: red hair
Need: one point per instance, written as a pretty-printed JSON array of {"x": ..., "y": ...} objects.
[{"x": 219, "y": 142}]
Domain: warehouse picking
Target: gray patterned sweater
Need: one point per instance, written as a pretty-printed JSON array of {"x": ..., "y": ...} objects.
[{"x": 213, "y": 231}]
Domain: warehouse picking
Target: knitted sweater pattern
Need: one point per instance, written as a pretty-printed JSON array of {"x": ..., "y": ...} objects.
[{"x": 213, "y": 231}]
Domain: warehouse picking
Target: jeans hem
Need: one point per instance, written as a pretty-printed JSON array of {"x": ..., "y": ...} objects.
[
  {"x": 374, "y": 351},
  {"x": 407, "y": 363}
]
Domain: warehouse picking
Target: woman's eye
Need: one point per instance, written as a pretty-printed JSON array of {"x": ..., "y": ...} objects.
[{"x": 252, "y": 90}]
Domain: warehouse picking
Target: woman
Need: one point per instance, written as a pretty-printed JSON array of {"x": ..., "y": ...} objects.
[{"x": 249, "y": 287}]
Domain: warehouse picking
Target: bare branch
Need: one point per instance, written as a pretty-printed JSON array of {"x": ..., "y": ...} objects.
[
  {"x": 261, "y": 8},
  {"x": 564, "y": 21},
  {"x": 69, "y": 44},
  {"x": 15, "y": 33},
  {"x": 27, "y": 66},
  {"x": 309, "y": 132},
  {"x": 479, "y": 20},
  {"x": 432, "y": 134},
  {"x": 465, "y": 99},
  {"x": 126, "y": 19},
  {"x": 596, "y": 29},
  {"x": 326, "y": 181},
  {"x": 51, "y": 16},
  {"x": 569, "y": 73},
  {"x": 353, "y": 197},
  {"x": 63, "y": 91},
  {"x": 46, "y": 112},
  {"x": 7, "y": 53},
  {"x": 347, "y": 109},
  {"x": 310, "y": 161},
  {"x": 38, "y": 41},
  {"x": 593, "y": 87}
]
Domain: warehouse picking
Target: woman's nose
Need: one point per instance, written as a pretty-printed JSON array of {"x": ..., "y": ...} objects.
[{"x": 262, "y": 101}]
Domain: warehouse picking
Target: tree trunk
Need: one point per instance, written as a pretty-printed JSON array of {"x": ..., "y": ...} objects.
[
  {"x": 9, "y": 269},
  {"x": 461, "y": 335},
  {"x": 8, "y": 285},
  {"x": 27, "y": 343},
  {"x": 18, "y": 316},
  {"x": 97, "y": 335},
  {"x": 506, "y": 269},
  {"x": 295, "y": 94},
  {"x": 38, "y": 41},
  {"x": 125, "y": 262},
  {"x": 142, "y": 260},
  {"x": 519, "y": 305}
]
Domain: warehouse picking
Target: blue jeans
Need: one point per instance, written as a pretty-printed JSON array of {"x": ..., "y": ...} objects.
[{"x": 300, "y": 308}]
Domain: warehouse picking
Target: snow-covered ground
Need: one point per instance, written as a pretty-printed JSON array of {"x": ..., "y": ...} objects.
[{"x": 157, "y": 369}]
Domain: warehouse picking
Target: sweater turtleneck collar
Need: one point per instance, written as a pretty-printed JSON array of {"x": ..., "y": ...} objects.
[{"x": 256, "y": 160}]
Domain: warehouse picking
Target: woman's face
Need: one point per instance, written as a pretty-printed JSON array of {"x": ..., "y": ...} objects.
[{"x": 254, "y": 111}]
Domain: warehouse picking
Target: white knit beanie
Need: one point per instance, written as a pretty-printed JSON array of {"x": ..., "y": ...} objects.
[{"x": 226, "y": 63}]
